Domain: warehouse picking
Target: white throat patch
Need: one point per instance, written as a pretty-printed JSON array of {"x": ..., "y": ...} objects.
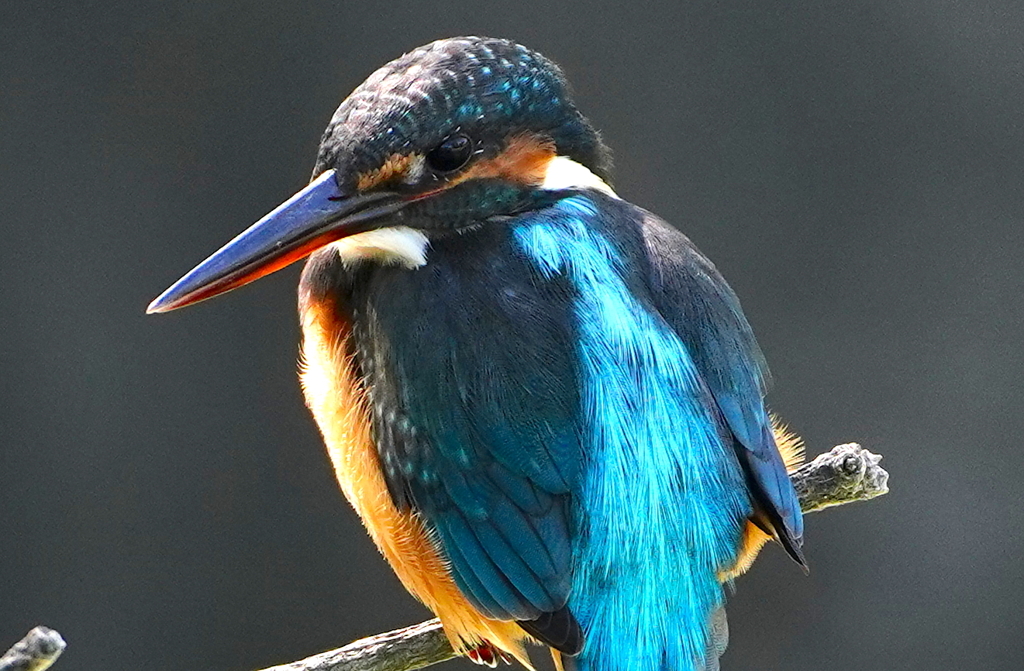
[{"x": 398, "y": 245}]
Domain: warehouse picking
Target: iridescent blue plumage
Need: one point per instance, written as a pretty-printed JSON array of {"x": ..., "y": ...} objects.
[
  {"x": 663, "y": 502},
  {"x": 489, "y": 87}
]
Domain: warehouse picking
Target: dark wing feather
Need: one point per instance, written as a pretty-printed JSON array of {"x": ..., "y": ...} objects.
[
  {"x": 559, "y": 629},
  {"x": 472, "y": 378},
  {"x": 703, "y": 310}
]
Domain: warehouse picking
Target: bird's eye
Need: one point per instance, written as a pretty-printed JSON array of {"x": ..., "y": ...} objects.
[{"x": 451, "y": 154}]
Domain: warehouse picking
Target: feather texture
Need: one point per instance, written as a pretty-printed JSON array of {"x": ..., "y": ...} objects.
[
  {"x": 474, "y": 397},
  {"x": 703, "y": 310},
  {"x": 664, "y": 500}
]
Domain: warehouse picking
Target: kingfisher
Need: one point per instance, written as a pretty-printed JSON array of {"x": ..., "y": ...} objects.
[{"x": 544, "y": 403}]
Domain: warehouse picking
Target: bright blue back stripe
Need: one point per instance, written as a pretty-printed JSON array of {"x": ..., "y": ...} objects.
[{"x": 663, "y": 501}]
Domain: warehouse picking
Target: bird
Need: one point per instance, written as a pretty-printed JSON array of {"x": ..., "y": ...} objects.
[{"x": 545, "y": 404}]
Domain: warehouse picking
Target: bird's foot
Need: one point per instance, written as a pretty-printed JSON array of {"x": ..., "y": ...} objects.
[{"x": 488, "y": 655}]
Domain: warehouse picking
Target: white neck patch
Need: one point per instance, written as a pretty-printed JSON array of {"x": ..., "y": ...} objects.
[
  {"x": 404, "y": 246},
  {"x": 562, "y": 172}
]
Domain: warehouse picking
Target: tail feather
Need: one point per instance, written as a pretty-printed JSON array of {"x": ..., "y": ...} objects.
[
  {"x": 718, "y": 641},
  {"x": 559, "y": 629}
]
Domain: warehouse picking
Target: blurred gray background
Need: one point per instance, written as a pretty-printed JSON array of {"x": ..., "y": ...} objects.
[{"x": 854, "y": 167}]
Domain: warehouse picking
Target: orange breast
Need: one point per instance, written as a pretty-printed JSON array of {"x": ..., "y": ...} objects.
[{"x": 337, "y": 400}]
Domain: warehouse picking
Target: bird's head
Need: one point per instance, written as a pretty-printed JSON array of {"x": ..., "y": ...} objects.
[{"x": 445, "y": 138}]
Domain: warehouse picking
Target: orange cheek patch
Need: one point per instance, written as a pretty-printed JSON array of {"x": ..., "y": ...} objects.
[
  {"x": 395, "y": 165},
  {"x": 524, "y": 160}
]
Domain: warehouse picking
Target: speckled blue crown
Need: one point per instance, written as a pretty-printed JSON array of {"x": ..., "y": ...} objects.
[{"x": 485, "y": 87}]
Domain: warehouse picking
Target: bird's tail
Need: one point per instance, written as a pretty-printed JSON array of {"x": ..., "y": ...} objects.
[
  {"x": 645, "y": 620},
  {"x": 717, "y": 643},
  {"x": 647, "y": 589}
]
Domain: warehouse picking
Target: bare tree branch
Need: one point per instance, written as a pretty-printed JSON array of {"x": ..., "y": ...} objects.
[
  {"x": 403, "y": 649},
  {"x": 36, "y": 652},
  {"x": 845, "y": 474}
]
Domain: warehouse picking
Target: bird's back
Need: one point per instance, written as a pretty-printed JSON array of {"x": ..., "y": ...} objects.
[
  {"x": 532, "y": 402},
  {"x": 662, "y": 506}
]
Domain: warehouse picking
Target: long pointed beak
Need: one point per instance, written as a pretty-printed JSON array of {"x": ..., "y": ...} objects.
[{"x": 312, "y": 218}]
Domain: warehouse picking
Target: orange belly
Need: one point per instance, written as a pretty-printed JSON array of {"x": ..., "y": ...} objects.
[{"x": 337, "y": 400}]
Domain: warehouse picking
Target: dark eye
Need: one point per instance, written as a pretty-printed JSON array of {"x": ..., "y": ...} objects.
[{"x": 451, "y": 154}]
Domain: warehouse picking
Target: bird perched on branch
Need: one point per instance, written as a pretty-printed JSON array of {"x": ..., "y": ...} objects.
[{"x": 543, "y": 401}]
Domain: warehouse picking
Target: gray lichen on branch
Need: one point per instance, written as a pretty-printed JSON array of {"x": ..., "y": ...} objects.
[
  {"x": 403, "y": 649},
  {"x": 845, "y": 474},
  {"x": 36, "y": 652}
]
